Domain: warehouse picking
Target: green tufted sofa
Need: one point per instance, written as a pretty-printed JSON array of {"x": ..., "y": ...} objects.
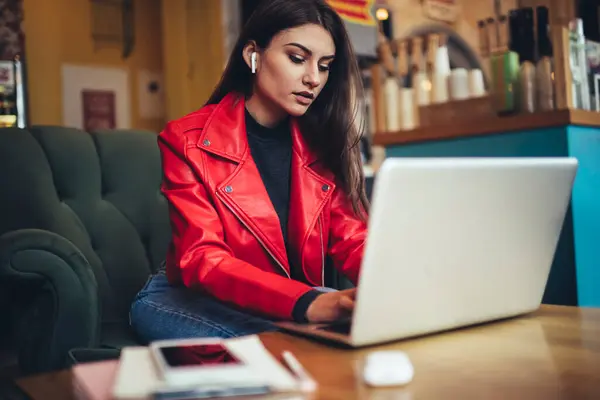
[{"x": 82, "y": 225}]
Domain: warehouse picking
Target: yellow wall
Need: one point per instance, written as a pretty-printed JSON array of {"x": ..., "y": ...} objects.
[
  {"x": 193, "y": 49},
  {"x": 59, "y": 31},
  {"x": 42, "y": 22}
]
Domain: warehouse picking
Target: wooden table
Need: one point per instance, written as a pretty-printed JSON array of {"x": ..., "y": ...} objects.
[{"x": 551, "y": 354}]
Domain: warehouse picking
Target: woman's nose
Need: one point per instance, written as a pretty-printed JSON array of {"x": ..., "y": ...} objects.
[{"x": 312, "y": 77}]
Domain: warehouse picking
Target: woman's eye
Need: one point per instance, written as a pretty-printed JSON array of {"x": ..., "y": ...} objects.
[
  {"x": 323, "y": 68},
  {"x": 296, "y": 59}
]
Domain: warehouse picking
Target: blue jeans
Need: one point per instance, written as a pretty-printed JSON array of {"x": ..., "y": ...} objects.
[{"x": 161, "y": 311}]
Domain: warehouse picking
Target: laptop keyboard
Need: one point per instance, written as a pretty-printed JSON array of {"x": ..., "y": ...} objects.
[{"x": 342, "y": 327}]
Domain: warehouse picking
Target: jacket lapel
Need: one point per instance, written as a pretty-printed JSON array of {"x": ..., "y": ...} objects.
[
  {"x": 246, "y": 196},
  {"x": 243, "y": 191},
  {"x": 309, "y": 193}
]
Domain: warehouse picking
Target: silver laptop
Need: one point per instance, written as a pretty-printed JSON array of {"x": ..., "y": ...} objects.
[{"x": 454, "y": 242}]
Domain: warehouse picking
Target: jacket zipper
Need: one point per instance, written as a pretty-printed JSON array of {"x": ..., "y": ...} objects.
[
  {"x": 322, "y": 253},
  {"x": 255, "y": 236}
]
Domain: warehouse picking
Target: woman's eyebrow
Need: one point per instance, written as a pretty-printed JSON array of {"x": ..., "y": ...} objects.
[{"x": 307, "y": 50}]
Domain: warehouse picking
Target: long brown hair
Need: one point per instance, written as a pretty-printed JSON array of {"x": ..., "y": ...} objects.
[{"x": 329, "y": 125}]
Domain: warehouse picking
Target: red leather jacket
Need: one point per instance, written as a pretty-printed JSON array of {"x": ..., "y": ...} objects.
[{"x": 227, "y": 238}]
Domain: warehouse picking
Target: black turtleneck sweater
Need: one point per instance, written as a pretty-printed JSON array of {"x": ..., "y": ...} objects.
[{"x": 271, "y": 149}]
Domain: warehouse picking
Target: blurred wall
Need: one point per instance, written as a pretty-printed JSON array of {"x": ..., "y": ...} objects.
[
  {"x": 410, "y": 15},
  {"x": 193, "y": 50},
  {"x": 58, "y": 32}
]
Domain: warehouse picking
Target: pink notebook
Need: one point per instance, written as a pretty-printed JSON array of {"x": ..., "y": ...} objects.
[{"x": 94, "y": 381}]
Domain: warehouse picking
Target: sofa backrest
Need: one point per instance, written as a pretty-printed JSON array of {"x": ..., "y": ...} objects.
[{"x": 98, "y": 190}]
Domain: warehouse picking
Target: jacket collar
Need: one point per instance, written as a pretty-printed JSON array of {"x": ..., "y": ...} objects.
[{"x": 225, "y": 128}]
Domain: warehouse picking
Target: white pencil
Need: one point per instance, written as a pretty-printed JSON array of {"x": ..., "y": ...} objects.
[{"x": 307, "y": 383}]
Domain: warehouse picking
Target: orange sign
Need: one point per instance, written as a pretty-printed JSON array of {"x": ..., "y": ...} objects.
[{"x": 355, "y": 11}]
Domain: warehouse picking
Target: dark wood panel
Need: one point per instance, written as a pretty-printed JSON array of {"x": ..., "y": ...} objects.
[{"x": 489, "y": 126}]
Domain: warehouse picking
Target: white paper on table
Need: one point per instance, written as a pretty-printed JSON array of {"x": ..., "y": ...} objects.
[{"x": 137, "y": 377}]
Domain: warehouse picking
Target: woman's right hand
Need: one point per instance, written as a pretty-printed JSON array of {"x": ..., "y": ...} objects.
[{"x": 332, "y": 306}]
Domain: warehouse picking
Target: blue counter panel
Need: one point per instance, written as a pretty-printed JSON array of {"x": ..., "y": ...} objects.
[
  {"x": 584, "y": 143},
  {"x": 535, "y": 143}
]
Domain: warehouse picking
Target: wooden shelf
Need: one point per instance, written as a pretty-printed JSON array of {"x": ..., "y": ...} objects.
[{"x": 489, "y": 126}]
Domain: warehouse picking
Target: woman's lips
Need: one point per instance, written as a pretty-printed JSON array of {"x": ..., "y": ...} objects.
[{"x": 304, "y": 98}]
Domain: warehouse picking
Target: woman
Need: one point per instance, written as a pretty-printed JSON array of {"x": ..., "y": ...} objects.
[{"x": 264, "y": 183}]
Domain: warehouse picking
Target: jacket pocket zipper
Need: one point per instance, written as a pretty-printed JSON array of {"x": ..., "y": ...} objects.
[
  {"x": 322, "y": 253},
  {"x": 255, "y": 236}
]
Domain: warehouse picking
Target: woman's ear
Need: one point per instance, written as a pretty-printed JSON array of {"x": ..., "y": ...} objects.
[{"x": 250, "y": 54}]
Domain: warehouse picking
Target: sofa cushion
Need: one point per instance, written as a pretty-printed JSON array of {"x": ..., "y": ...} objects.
[{"x": 100, "y": 191}]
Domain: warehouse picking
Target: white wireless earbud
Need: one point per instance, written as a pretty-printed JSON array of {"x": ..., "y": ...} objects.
[{"x": 253, "y": 61}]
